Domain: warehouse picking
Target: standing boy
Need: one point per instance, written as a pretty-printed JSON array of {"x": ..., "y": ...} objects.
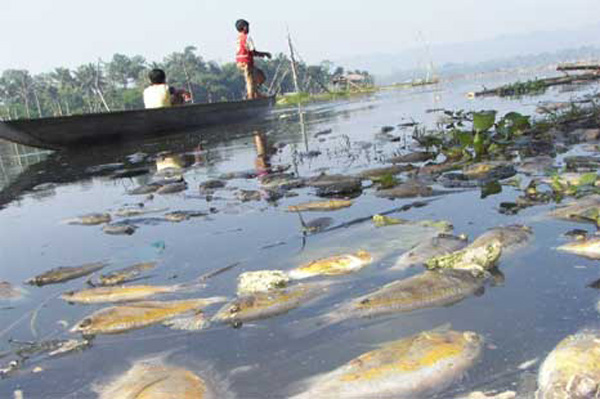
[{"x": 245, "y": 60}]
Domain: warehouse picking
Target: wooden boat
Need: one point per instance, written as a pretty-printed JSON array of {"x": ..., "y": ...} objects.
[{"x": 78, "y": 130}]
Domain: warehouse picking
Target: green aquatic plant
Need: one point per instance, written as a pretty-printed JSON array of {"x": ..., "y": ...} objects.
[
  {"x": 386, "y": 181},
  {"x": 522, "y": 88}
]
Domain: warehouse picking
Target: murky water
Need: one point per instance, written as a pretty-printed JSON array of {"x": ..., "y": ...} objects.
[{"x": 543, "y": 299}]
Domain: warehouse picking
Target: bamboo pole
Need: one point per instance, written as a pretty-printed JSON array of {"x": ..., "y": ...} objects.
[{"x": 293, "y": 61}]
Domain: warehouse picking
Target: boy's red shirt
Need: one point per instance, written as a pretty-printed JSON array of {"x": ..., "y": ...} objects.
[{"x": 244, "y": 55}]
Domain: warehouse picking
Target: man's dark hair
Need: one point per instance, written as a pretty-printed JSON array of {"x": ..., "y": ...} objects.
[
  {"x": 240, "y": 24},
  {"x": 157, "y": 76}
]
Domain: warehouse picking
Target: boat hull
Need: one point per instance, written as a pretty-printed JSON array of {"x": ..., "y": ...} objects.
[{"x": 78, "y": 130}]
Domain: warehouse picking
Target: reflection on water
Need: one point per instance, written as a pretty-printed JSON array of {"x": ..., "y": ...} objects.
[
  {"x": 537, "y": 300},
  {"x": 15, "y": 159}
]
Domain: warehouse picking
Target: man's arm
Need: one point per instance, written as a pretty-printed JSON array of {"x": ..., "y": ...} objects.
[{"x": 262, "y": 54}]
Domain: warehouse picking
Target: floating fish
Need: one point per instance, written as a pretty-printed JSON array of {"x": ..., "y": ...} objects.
[
  {"x": 426, "y": 290},
  {"x": 137, "y": 211},
  {"x": 589, "y": 248},
  {"x": 416, "y": 367},
  {"x": 332, "y": 205},
  {"x": 119, "y": 229},
  {"x": 317, "y": 225},
  {"x": 572, "y": 369},
  {"x": 122, "y": 318},
  {"x": 91, "y": 219},
  {"x": 262, "y": 305},
  {"x": 180, "y": 216},
  {"x": 441, "y": 245},
  {"x": 409, "y": 189},
  {"x": 511, "y": 237},
  {"x": 332, "y": 266},
  {"x": 172, "y": 188},
  {"x": 62, "y": 274},
  {"x": 125, "y": 293},
  {"x": 144, "y": 190},
  {"x": 586, "y": 209},
  {"x": 413, "y": 157},
  {"x": 476, "y": 259},
  {"x": 124, "y": 275},
  {"x": 146, "y": 380}
]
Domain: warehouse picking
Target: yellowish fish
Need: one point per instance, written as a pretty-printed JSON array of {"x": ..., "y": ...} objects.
[
  {"x": 117, "y": 294},
  {"x": 157, "y": 381},
  {"x": 333, "y": 266},
  {"x": 588, "y": 248},
  {"x": 572, "y": 369},
  {"x": 331, "y": 205},
  {"x": 419, "y": 366},
  {"x": 262, "y": 305},
  {"x": 64, "y": 273},
  {"x": 118, "y": 319},
  {"x": 126, "y": 274}
]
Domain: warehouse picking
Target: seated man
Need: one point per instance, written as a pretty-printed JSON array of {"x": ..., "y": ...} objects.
[
  {"x": 245, "y": 60},
  {"x": 160, "y": 95}
]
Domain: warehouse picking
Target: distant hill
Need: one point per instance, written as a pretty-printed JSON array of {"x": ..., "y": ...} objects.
[{"x": 501, "y": 49}]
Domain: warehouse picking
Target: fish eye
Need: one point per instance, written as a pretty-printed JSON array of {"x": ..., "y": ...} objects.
[{"x": 85, "y": 323}]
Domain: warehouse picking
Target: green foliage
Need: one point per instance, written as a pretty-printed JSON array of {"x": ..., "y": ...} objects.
[
  {"x": 522, "y": 88},
  {"x": 483, "y": 121},
  {"x": 387, "y": 181}
]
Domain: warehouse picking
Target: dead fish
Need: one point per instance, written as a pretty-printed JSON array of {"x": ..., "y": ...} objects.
[
  {"x": 332, "y": 266},
  {"x": 122, "y": 318},
  {"x": 127, "y": 173},
  {"x": 413, "y": 157},
  {"x": 137, "y": 211},
  {"x": 317, "y": 225},
  {"x": 511, "y": 237},
  {"x": 586, "y": 209},
  {"x": 127, "y": 274},
  {"x": 589, "y": 248},
  {"x": 180, "y": 216},
  {"x": 426, "y": 290},
  {"x": 441, "y": 245},
  {"x": 212, "y": 185},
  {"x": 146, "y": 380},
  {"x": 119, "y": 229},
  {"x": 331, "y": 205},
  {"x": 91, "y": 219},
  {"x": 248, "y": 195},
  {"x": 172, "y": 188},
  {"x": 114, "y": 294},
  {"x": 262, "y": 305},
  {"x": 476, "y": 259},
  {"x": 415, "y": 367},
  {"x": 409, "y": 189},
  {"x": 572, "y": 369},
  {"x": 8, "y": 291},
  {"x": 144, "y": 190},
  {"x": 385, "y": 171},
  {"x": 62, "y": 274}
]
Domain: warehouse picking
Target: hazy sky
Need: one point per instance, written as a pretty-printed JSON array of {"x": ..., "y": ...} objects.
[{"x": 41, "y": 34}]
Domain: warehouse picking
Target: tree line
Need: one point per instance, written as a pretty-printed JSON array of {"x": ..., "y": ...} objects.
[{"x": 119, "y": 83}]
